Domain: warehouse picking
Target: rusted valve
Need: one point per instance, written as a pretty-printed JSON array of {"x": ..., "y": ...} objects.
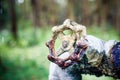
[{"x": 68, "y": 43}]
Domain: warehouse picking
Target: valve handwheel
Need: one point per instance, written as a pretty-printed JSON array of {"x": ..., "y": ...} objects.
[{"x": 68, "y": 42}]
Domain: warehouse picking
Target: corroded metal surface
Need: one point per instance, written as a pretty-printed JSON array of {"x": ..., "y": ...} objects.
[
  {"x": 91, "y": 54},
  {"x": 68, "y": 42}
]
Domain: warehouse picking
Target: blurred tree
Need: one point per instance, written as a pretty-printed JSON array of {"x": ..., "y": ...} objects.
[
  {"x": 100, "y": 13},
  {"x": 95, "y": 12},
  {"x": 13, "y": 18},
  {"x": 70, "y": 10},
  {"x": 79, "y": 10},
  {"x": 118, "y": 17},
  {"x": 44, "y": 12},
  {"x": 36, "y": 12},
  {"x": 4, "y": 14},
  {"x": 86, "y": 12}
]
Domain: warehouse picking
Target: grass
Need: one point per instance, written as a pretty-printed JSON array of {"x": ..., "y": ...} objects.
[
  {"x": 89, "y": 77},
  {"x": 26, "y": 59}
]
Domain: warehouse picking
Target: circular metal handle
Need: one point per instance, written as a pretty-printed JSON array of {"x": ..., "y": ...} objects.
[{"x": 68, "y": 41}]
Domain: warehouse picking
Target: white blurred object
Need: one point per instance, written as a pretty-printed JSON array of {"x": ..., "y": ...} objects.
[{"x": 20, "y": 1}]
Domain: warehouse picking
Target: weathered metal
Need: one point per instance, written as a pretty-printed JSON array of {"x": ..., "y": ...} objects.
[
  {"x": 68, "y": 42},
  {"x": 90, "y": 54}
]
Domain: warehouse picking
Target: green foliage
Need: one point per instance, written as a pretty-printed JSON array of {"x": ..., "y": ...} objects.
[
  {"x": 89, "y": 77},
  {"x": 19, "y": 63},
  {"x": 25, "y": 59},
  {"x": 27, "y": 71},
  {"x": 105, "y": 34}
]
